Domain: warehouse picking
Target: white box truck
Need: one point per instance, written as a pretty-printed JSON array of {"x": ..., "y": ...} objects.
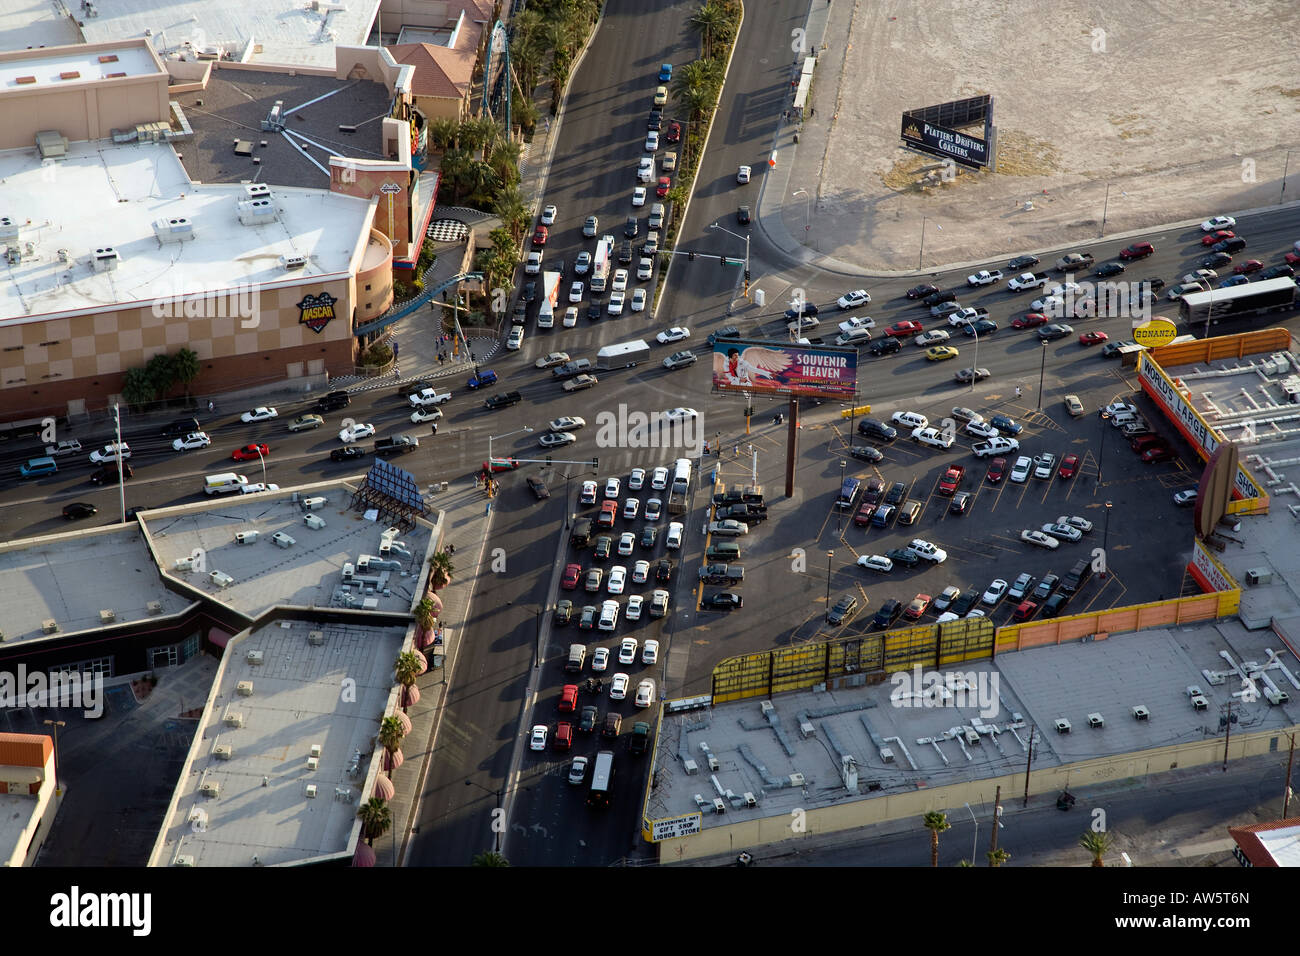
[{"x": 550, "y": 296}]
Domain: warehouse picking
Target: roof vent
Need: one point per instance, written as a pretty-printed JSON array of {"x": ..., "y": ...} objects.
[
  {"x": 256, "y": 212},
  {"x": 257, "y": 191},
  {"x": 293, "y": 262},
  {"x": 177, "y": 229},
  {"x": 8, "y": 229},
  {"x": 105, "y": 259}
]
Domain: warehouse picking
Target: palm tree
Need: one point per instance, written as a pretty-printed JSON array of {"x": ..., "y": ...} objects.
[
  {"x": 1098, "y": 844},
  {"x": 375, "y": 819},
  {"x": 424, "y": 615},
  {"x": 513, "y": 213},
  {"x": 997, "y": 857},
  {"x": 456, "y": 163},
  {"x": 162, "y": 373},
  {"x": 504, "y": 160},
  {"x": 965, "y": 863},
  {"x": 479, "y": 134},
  {"x": 936, "y": 823},
  {"x": 390, "y": 737},
  {"x": 442, "y": 570},
  {"x": 186, "y": 365},
  {"x": 407, "y": 669},
  {"x": 481, "y": 184},
  {"x": 444, "y": 132},
  {"x": 709, "y": 21},
  {"x": 138, "y": 388},
  {"x": 489, "y": 858}
]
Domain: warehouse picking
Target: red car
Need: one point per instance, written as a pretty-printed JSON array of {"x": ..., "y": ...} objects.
[
  {"x": 500, "y": 464},
  {"x": 1093, "y": 338},
  {"x": 251, "y": 452},
  {"x": 664, "y": 185},
  {"x": 997, "y": 469},
  {"x": 540, "y": 235},
  {"x": 1158, "y": 453},
  {"x": 1247, "y": 267},
  {"x": 1217, "y": 236},
  {"x": 571, "y": 574},
  {"x": 863, "y": 517},
  {"x": 674, "y": 133},
  {"x": 1292, "y": 258},
  {"x": 563, "y": 735},
  {"x": 1069, "y": 466},
  {"x": 1029, "y": 320},
  {"x": 917, "y": 607},
  {"x": 608, "y": 513},
  {"x": 568, "y": 699},
  {"x": 1139, "y": 250},
  {"x": 906, "y": 328}
]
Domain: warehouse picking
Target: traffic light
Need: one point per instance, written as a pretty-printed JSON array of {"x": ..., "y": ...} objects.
[
  {"x": 749, "y": 411},
  {"x": 595, "y": 463},
  {"x": 690, "y": 256},
  {"x": 548, "y": 459},
  {"x": 746, "y": 275},
  {"x": 722, "y": 261}
]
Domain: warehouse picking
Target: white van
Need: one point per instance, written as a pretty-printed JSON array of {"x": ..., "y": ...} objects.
[
  {"x": 681, "y": 476},
  {"x": 853, "y": 337},
  {"x": 224, "y": 483}
]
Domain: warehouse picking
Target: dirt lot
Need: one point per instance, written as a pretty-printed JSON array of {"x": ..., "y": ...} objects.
[{"x": 1185, "y": 108}]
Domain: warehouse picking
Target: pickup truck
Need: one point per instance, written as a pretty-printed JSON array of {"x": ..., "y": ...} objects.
[
  {"x": 428, "y": 396},
  {"x": 504, "y": 400},
  {"x": 570, "y": 369},
  {"x": 396, "y": 445},
  {"x": 968, "y": 314},
  {"x": 985, "y": 277},
  {"x": 576, "y": 384},
  {"x": 852, "y": 325},
  {"x": 722, "y": 574},
  {"x": 951, "y": 480},
  {"x": 1074, "y": 262},
  {"x": 1027, "y": 280}
]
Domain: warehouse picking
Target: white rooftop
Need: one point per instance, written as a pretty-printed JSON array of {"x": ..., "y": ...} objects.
[
  {"x": 1283, "y": 844},
  {"x": 289, "y": 32},
  {"x": 35, "y": 23},
  {"x": 120, "y": 192},
  {"x": 87, "y": 64}
]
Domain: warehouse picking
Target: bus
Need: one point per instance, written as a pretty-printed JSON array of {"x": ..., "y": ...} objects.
[
  {"x": 600, "y": 263},
  {"x": 1246, "y": 301},
  {"x": 602, "y": 780}
]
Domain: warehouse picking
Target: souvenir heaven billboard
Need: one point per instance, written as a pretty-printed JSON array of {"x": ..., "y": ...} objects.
[{"x": 814, "y": 371}]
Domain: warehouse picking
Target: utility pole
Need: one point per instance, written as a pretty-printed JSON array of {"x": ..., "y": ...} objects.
[
  {"x": 1286, "y": 791},
  {"x": 1028, "y": 761},
  {"x": 1227, "y": 733},
  {"x": 997, "y": 813}
]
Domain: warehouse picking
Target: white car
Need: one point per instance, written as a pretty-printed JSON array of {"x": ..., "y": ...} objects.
[
  {"x": 654, "y": 509},
  {"x": 645, "y": 693},
  {"x": 612, "y": 487},
  {"x": 191, "y": 441},
  {"x": 538, "y": 739},
  {"x": 616, "y": 300},
  {"x": 627, "y": 651},
  {"x": 600, "y": 659},
  {"x": 533, "y": 264},
  {"x": 1201, "y": 275},
  {"x": 570, "y": 317},
  {"x": 641, "y": 572},
  {"x": 626, "y": 544},
  {"x": 675, "y": 334},
  {"x": 851, "y": 300},
  {"x": 645, "y": 170},
  {"x": 1039, "y": 538},
  {"x": 516, "y": 338},
  {"x": 426, "y": 415},
  {"x": 556, "y": 439},
  {"x": 995, "y": 592},
  {"x": 582, "y": 263},
  {"x": 947, "y": 616},
  {"x": 575, "y": 292},
  {"x": 857, "y": 323},
  {"x": 909, "y": 420},
  {"x": 588, "y": 493},
  {"x": 638, "y": 196},
  {"x": 996, "y": 446},
  {"x": 618, "y": 687},
  {"x": 1067, "y": 532},
  {"x": 659, "y": 603},
  {"x": 566, "y": 423},
  {"x": 652, "y": 141},
  {"x": 1083, "y": 524},
  {"x": 631, "y": 508},
  {"x": 1020, "y": 470},
  {"x": 981, "y": 430},
  {"x": 650, "y": 652},
  {"x": 1117, "y": 408},
  {"x": 1045, "y": 465},
  {"x": 578, "y": 770},
  {"x": 636, "y": 481},
  {"x": 876, "y": 562},
  {"x": 620, "y": 281},
  {"x": 680, "y": 414},
  {"x": 252, "y": 489},
  {"x": 659, "y": 479},
  {"x": 608, "y": 616},
  {"x": 1218, "y": 222},
  {"x": 638, "y": 300},
  {"x": 645, "y": 268},
  {"x": 933, "y": 337},
  {"x": 944, "y": 600},
  {"x": 673, "y": 541},
  {"x": 975, "y": 612},
  {"x": 928, "y": 550},
  {"x": 634, "y": 604},
  {"x": 743, "y": 174},
  {"x": 548, "y": 216},
  {"x": 262, "y": 413},
  {"x": 430, "y": 396},
  {"x": 356, "y": 433}
]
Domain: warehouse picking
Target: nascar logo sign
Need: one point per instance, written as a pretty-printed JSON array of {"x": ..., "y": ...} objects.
[{"x": 315, "y": 311}]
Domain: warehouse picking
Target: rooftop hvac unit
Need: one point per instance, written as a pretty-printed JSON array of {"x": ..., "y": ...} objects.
[
  {"x": 49, "y": 625},
  {"x": 221, "y": 579},
  {"x": 254, "y": 657},
  {"x": 1140, "y": 712},
  {"x": 315, "y": 750},
  {"x": 315, "y": 522},
  {"x": 719, "y": 806},
  {"x": 107, "y": 616},
  {"x": 316, "y": 638},
  {"x": 184, "y": 859},
  {"x": 765, "y": 707},
  {"x": 256, "y": 212},
  {"x": 797, "y": 780},
  {"x": 1062, "y": 725},
  {"x": 1276, "y": 696},
  {"x": 183, "y": 564},
  {"x": 1259, "y": 576},
  {"x": 311, "y": 791},
  {"x": 257, "y": 191},
  {"x": 8, "y": 229},
  {"x": 234, "y": 719},
  {"x": 245, "y": 537},
  {"x": 293, "y": 262},
  {"x": 244, "y": 688},
  {"x": 887, "y": 754},
  {"x": 154, "y": 607},
  {"x": 211, "y": 789},
  {"x": 1096, "y": 720},
  {"x": 223, "y": 751},
  {"x": 349, "y": 571},
  {"x": 177, "y": 229},
  {"x": 806, "y": 729},
  {"x": 283, "y": 540},
  {"x": 313, "y": 504},
  {"x": 749, "y": 799},
  {"x": 104, "y": 259}
]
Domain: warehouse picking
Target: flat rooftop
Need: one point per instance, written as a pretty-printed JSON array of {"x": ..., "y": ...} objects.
[
  {"x": 236, "y": 102},
  {"x": 263, "y": 812},
  {"x": 927, "y": 737},
  {"x": 35, "y": 23},
  {"x": 16, "y": 817},
  {"x": 306, "y": 573},
  {"x": 1248, "y": 401},
  {"x": 70, "y": 578},
  {"x": 104, "y": 195},
  {"x": 73, "y": 66},
  {"x": 288, "y": 32}
]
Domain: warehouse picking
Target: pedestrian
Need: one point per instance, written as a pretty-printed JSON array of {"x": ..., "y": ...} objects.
[
  {"x": 735, "y": 451},
  {"x": 451, "y": 549},
  {"x": 1017, "y": 391},
  {"x": 435, "y": 428},
  {"x": 811, "y": 112},
  {"x": 210, "y": 405}
]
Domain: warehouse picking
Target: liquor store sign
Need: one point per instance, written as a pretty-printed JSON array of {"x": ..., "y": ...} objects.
[{"x": 677, "y": 826}]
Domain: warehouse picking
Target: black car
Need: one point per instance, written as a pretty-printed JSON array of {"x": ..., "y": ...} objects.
[
  {"x": 964, "y": 602},
  {"x": 656, "y": 120},
  {"x": 530, "y": 290},
  {"x": 648, "y": 536},
  {"x": 934, "y": 298},
  {"x": 875, "y": 428},
  {"x": 1045, "y": 587},
  {"x": 663, "y": 571},
  {"x": 903, "y": 556},
  {"x": 563, "y": 613},
  {"x": 885, "y": 346},
  {"x": 809, "y": 308},
  {"x": 843, "y": 610},
  {"x": 1050, "y": 333},
  {"x": 1277, "y": 271},
  {"x": 335, "y": 400},
  {"x": 1235, "y": 244},
  {"x": 897, "y": 491},
  {"x": 604, "y": 544},
  {"x": 724, "y": 600},
  {"x": 982, "y": 327},
  {"x": 751, "y": 514},
  {"x": 520, "y": 314},
  {"x": 347, "y": 453},
  {"x": 1215, "y": 260},
  {"x": 631, "y": 227},
  {"x": 1022, "y": 262},
  {"x": 108, "y": 474},
  {"x": 538, "y": 487},
  {"x": 640, "y": 740},
  {"x": 595, "y": 309},
  {"x": 889, "y": 613},
  {"x": 625, "y": 251},
  {"x": 742, "y": 215},
  {"x": 181, "y": 427},
  {"x": 412, "y": 388},
  {"x": 1155, "y": 282},
  {"x": 587, "y": 722},
  {"x": 922, "y": 290},
  {"x": 79, "y": 509},
  {"x": 1108, "y": 269},
  {"x": 729, "y": 331},
  {"x": 867, "y": 453}
]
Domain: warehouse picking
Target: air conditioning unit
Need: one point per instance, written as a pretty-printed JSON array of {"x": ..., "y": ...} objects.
[
  {"x": 234, "y": 719},
  {"x": 1062, "y": 725},
  {"x": 104, "y": 259},
  {"x": 1096, "y": 720},
  {"x": 184, "y": 859},
  {"x": 49, "y": 625},
  {"x": 107, "y": 616},
  {"x": 210, "y": 788},
  {"x": 244, "y": 688},
  {"x": 316, "y": 638},
  {"x": 183, "y": 564},
  {"x": 1140, "y": 712},
  {"x": 256, "y": 212},
  {"x": 245, "y": 537},
  {"x": 1257, "y": 576},
  {"x": 315, "y": 750},
  {"x": 223, "y": 751},
  {"x": 315, "y": 522},
  {"x": 256, "y": 191},
  {"x": 887, "y": 754},
  {"x": 1276, "y": 696},
  {"x": 765, "y": 707},
  {"x": 8, "y": 229},
  {"x": 221, "y": 579},
  {"x": 283, "y": 540},
  {"x": 314, "y": 504},
  {"x": 177, "y": 229},
  {"x": 154, "y": 607},
  {"x": 796, "y": 780},
  {"x": 293, "y": 262},
  {"x": 254, "y": 657}
]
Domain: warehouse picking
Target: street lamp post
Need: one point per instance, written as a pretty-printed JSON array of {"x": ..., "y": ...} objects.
[
  {"x": 1285, "y": 166},
  {"x": 1105, "y": 543},
  {"x": 538, "y": 659},
  {"x": 974, "y": 372},
  {"x": 922, "y": 250},
  {"x": 495, "y": 826},
  {"x": 974, "y": 843},
  {"x": 1042, "y": 369},
  {"x": 1104, "y": 206},
  {"x": 492, "y": 438},
  {"x": 56, "y": 724},
  {"x": 807, "y": 212},
  {"x": 829, "y": 556},
  {"x": 839, "y": 513}
]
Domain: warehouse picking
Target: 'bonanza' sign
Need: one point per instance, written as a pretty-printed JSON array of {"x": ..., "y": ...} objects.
[{"x": 315, "y": 311}]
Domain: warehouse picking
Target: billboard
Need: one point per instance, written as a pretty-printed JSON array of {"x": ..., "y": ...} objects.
[
  {"x": 945, "y": 143},
  {"x": 667, "y": 829},
  {"x": 770, "y": 368}
]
